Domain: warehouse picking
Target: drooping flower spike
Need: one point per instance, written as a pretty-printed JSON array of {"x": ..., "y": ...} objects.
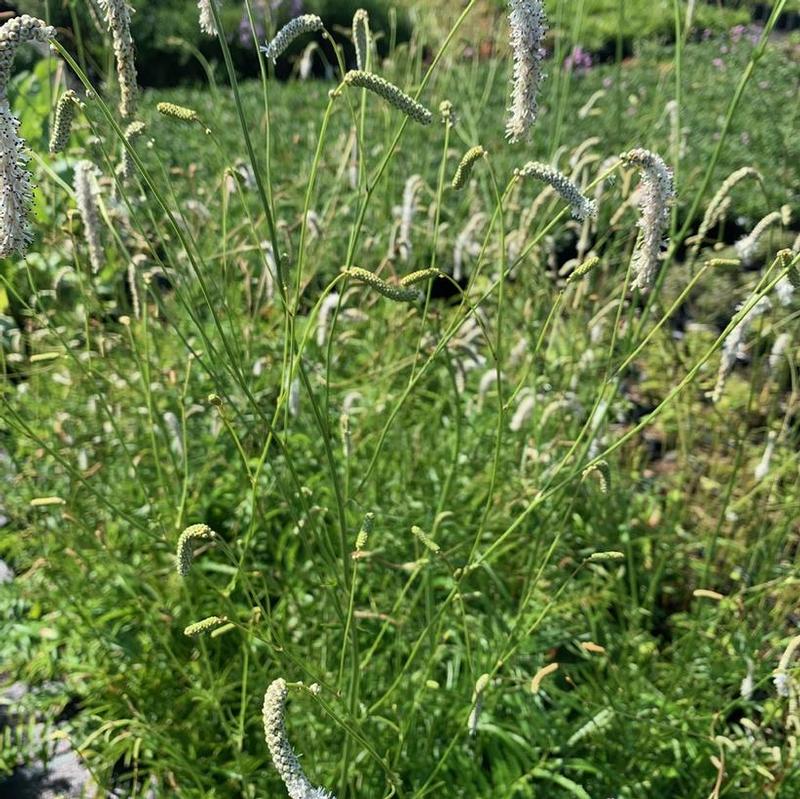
[
  {"x": 471, "y": 157},
  {"x": 16, "y": 192},
  {"x": 396, "y": 293},
  {"x": 307, "y": 23},
  {"x": 580, "y": 206},
  {"x": 389, "y": 92},
  {"x": 67, "y": 105},
  {"x": 657, "y": 193},
  {"x": 118, "y": 19},
  {"x": 184, "y": 551},
  {"x": 528, "y": 28},
  {"x": 207, "y": 16},
  {"x": 283, "y": 757}
]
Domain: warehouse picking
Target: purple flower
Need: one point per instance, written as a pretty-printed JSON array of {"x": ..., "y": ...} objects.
[
  {"x": 737, "y": 31},
  {"x": 718, "y": 63},
  {"x": 578, "y": 60}
]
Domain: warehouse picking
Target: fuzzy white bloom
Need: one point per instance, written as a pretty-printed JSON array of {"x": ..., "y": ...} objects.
[
  {"x": 325, "y": 310},
  {"x": 86, "y": 191},
  {"x": 118, "y": 19},
  {"x": 719, "y": 205},
  {"x": 307, "y": 23},
  {"x": 283, "y": 756},
  {"x": 747, "y": 685},
  {"x": 207, "y": 17},
  {"x": 16, "y": 193},
  {"x": 523, "y": 413},
  {"x": 412, "y": 188},
  {"x": 785, "y": 291},
  {"x": 762, "y": 469},
  {"x": 778, "y": 348},
  {"x": 477, "y": 704},
  {"x": 785, "y": 685},
  {"x": 15, "y": 32},
  {"x": 294, "y": 397},
  {"x": 528, "y": 27},
  {"x": 747, "y": 247},
  {"x": 658, "y": 191},
  {"x": 733, "y": 345},
  {"x": 361, "y": 37},
  {"x": 580, "y": 206}
]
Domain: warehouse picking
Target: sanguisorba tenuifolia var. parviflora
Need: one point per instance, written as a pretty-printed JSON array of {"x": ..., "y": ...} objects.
[{"x": 521, "y": 413}]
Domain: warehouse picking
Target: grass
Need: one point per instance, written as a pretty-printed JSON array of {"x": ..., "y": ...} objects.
[{"x": 184, "y": 384}]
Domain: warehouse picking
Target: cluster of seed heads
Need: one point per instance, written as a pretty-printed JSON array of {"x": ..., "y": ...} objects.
[
  {"x": 389, "y": 92},
  {"x": 185, "y": 550},
  {"x": 580, "y": 206},
  {"x": 657, "y": 193},
  {"x": 471, "y": 157},
  {"x": 397, "y": 293},
  {"x": 306, "y": 23},
  {"x": 283, "y": 757},
  {"x": 528, "y": 28},
  {"x": 66, "y": 107},
  {"x": 118, "y": 19}
]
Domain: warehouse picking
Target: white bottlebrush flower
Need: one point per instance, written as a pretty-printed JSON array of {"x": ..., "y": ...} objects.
[
  {"x": 778, "y": 348},
  {"x": 361, "y": 37},
  {"x": 477, "y": 704},
  {"x": 16, "y": 194},
  {"x": 528, "y": 27},
  {"x": 747, "y": 247},
  {"x": 207, "y": 17},
  {"x": 720, "y": 202},
  {"x": 748, "y": 684},
  {"x": 294, "y": 397},
  {"x": 762, "y": 469},
  {"x": 410, "y": 191},
  {"x": 581, "y": 207},
  {"x": 658, "y": 191},
  {"x": 734, "y": 343},
  {"x": 325, "y": 310},
  {"x": 118, "y": 19},
  {"x": 307, "y": 23},
  {"x": 86, "y": 191},
  {"x": 15, "y": 32},
  {"x": 283, "y": 757},
  {"x": 523, "y": 413}
]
